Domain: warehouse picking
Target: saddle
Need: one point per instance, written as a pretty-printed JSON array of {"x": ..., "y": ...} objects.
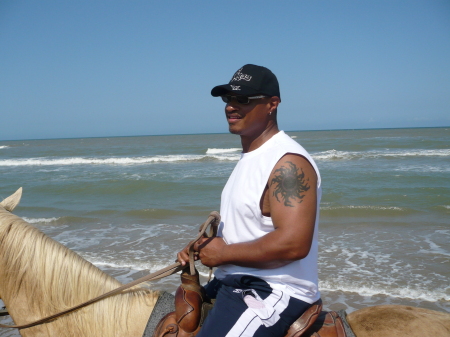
[
  {"x": 185, "y": 320},
  {"x": 191, "y": 307},
  {"x": 317, "y": 323},
  {"x": 328, "y": 324}
]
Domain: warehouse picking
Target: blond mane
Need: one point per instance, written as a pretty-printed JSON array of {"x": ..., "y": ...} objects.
[{"x": 50, "y": 278}]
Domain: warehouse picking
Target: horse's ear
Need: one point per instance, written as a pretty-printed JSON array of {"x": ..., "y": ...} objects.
[{"x": 12, "y": 201}]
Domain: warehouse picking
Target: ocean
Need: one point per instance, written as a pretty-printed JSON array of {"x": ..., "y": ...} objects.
[{"x": 128, "y": 204}]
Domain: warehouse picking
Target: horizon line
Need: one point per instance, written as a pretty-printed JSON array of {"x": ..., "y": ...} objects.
[{"x": 222, "y": 133}]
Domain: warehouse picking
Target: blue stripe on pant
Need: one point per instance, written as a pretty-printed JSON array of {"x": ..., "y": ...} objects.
[{"x": 247, "y": 306}]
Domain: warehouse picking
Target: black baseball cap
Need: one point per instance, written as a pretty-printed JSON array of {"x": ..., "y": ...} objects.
[{"x": 250, "y": 80}]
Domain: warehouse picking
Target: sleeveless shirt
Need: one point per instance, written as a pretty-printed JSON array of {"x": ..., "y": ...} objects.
[{"x": 243, "y": 221}]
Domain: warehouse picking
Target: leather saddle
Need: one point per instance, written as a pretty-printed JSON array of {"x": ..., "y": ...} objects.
[
  {"x": 191, "y": 306},
  {"x": 317, "y": 323},
  {"x": 185, "y": 320}
]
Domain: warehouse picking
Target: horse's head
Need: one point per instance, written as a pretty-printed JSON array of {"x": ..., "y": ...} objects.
[{"x": 12, "y": 201}]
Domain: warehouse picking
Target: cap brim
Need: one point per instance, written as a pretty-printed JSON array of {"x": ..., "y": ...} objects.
[{"x": 224, "y": 89}]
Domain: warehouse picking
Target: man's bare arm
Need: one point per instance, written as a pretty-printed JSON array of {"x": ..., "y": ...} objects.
[{"x": 292, "y": 199}]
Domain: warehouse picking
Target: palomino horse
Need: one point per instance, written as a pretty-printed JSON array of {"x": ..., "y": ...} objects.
[{"x": 40, "y": 277}]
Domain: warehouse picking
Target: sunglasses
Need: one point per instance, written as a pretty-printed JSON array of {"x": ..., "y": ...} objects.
[{"x": 240, "y": 99}]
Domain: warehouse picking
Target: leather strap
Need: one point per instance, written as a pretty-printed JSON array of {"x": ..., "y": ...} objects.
[
  {"x": 305, "y": 320},
  {"x": 154, "y": 276},
  {"x": 329, "y": 324},
  {"x": 185, "y": 320},
  {"x": 213, "y": 220}
]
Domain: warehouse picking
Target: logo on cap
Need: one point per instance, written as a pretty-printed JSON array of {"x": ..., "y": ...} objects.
[
  {"x": 240, "y": 76},
  {"x": 235, "y": 87}
]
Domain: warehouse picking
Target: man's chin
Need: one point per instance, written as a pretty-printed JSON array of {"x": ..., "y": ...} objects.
[{"x": 233, "y": 131}]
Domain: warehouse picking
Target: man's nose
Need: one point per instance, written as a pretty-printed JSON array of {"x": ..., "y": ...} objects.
[{"x": 231, "y": 106}]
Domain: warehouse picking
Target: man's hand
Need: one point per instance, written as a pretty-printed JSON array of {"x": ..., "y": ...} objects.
[
  {"x": 210, "y": 251},
  {"x": 183, "y": 255}
]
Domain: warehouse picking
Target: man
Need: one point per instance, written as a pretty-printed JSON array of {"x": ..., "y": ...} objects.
[{"x": 266, "y": 248}]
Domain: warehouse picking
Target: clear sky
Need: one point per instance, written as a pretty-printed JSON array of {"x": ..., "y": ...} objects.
[{"x": 123, "y": 68}]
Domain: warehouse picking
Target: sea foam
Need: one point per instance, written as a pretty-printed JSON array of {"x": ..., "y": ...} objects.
[
  {"x": 350, "y": 155},
  {"x": 401, "y": 292},
  {"x": 232, "y": 154},
  {"x": 375, "y": 208},
  {"x": 423, "y": 168},
  {"x": 39, "y": 220},
  {"x": 217, "y": 151},
  {"x": 113, "y": 160}
]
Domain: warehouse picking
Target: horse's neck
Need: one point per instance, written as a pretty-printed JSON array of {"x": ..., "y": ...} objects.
[
  {"x": 98, "y": 320},
  {"x": 39, "y": 277}
]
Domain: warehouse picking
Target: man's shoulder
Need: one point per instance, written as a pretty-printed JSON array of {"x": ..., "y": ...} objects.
[
  {"x": 288, "y": 149},
  {"x": 284, "y": 142}
]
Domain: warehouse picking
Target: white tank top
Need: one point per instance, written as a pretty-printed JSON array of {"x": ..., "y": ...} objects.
[{"x": 243, "y": 221}]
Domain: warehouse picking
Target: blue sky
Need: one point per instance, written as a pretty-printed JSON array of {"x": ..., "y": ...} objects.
[{"x": 124, "y": 68}]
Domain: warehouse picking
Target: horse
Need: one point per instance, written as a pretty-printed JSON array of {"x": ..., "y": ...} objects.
[{"x": 40, "y": 277}]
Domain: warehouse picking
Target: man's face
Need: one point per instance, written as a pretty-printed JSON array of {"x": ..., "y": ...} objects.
[{"x": 247, "y": 119}]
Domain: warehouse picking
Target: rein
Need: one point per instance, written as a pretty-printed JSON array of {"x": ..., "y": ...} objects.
[{"x": 212, "y": 222}]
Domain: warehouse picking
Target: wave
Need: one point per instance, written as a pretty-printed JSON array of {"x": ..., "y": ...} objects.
[
  {"x": 99, "y": 262},
  {"x": 403, "y": 292},
  {"x": 216, "y": 151},
  {"x": 50, "y": 170},
  {"x": 39, "y": 220},
  {"x": 350, "y": 155},
  {"x": 221, "y": 154},
  {"x": 115, "y": 160},
  {"x": 364, "y": 211},
  {"x": 407, "y": 292},
  {"x": 3, "y": 146},
  {"x": 375, "y": 208},
  {"x": 435, "y": 248},
  {"x": 423, "y": 168}
]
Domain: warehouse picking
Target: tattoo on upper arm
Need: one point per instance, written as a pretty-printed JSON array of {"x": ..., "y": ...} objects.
[{"x": 290, "y": 184}]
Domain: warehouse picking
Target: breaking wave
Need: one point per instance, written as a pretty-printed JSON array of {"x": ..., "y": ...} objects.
[
  {"x": 399, "y": 292},
  {"x": 217, "y": 151},
  {"x": 350, "y": 155},
  {"x": 224, "y": 154},
  {"x": 40, "y": 220},
  {"x": 114, "y": 160}
]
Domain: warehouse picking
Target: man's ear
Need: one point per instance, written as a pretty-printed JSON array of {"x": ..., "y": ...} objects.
[{"x": 274, "y": 101}]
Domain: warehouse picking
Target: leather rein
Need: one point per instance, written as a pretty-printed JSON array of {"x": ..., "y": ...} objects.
[{"x": 212, "y": 222}]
